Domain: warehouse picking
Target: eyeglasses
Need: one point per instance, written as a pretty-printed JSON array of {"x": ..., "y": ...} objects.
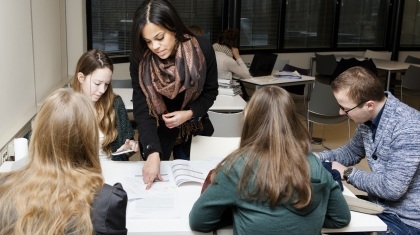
[{"x": 348, "y": 110}]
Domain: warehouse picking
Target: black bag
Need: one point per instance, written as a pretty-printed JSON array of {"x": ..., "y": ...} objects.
[{"x": 208, "y": 128}]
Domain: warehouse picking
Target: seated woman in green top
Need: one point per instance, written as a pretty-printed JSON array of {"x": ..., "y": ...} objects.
[
  {"x": 93, "y": 77},
  {"x": 271, "y": 184}
]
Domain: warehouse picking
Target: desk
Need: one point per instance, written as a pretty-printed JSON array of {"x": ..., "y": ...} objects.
[
  {"x": 186, "y": 195},
  {"x": 228, "y": 104},
  {"x": 258, "y": 82},
  {"x": 274, "y": 81},
  {"x": 389, "y": 66},
  {"x": 223, "y": 103}
]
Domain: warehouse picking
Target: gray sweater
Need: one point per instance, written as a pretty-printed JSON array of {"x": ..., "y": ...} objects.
[{"x": 394, "y": 180}]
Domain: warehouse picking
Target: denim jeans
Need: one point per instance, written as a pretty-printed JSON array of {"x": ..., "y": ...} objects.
[{"x": 396, "y": 226}]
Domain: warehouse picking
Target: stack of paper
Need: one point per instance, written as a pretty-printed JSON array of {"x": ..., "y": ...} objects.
[{"x": 229, "y": 87}]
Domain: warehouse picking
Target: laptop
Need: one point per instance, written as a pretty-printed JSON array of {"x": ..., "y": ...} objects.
[
  {"x": 280, "y": 64},
  {"x": 262, "y": 64}
]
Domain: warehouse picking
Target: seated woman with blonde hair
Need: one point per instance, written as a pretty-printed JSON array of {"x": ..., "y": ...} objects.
[
  {"x": 61, "y": 190},
  {"x": 271, "y": 184}
]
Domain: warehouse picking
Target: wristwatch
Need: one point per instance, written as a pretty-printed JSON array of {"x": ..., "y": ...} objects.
[{"x": 347, "y": 173}]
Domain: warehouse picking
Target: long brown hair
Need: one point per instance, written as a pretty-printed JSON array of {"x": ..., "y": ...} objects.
[
  {"x": 274, "y": 146},
  {"x": 54, "y": 191},
  {"x": 87, "y": 64}
]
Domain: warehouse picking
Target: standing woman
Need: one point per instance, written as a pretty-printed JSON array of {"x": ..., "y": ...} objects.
[
  {"x": 61, "y": 189},
  {"x": 174, "y": 77},
  {"x": 271, "y": 184},
  {"x": 93, "y": 78}
]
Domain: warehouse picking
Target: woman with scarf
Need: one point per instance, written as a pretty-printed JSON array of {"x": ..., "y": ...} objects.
[{"x": 174, "y": 78}]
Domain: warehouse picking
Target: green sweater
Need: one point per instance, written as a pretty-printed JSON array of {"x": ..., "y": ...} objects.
[{"x": 328, "y": 207}]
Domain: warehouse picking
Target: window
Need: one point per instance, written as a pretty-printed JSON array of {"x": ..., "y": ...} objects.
[
  {"x": 410, "y": 31},
  {"x": 259, "y": 24},
  {"x": 266, "y": 25},
  {"x": 363, "y": 23},
  {"x": 309, "y": 23},
  {"x": 109, "y": 26},
  {"x": 109, "y": 22}
]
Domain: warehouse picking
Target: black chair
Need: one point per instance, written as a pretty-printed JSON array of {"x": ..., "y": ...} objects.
[
  {"x": 410, "y": 82},
  {"x": 345, "y": 64},
  {"x": 325, "y": 67},
  {"x": 412, "y": 60}
]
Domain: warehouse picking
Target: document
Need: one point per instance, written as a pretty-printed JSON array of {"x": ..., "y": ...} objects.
[{"x": 159, "y": 201}]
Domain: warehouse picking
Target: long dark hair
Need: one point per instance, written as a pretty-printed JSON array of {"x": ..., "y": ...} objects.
[
  {"x": 159, "y": 12},
  {"x": 229, "y": 38}
]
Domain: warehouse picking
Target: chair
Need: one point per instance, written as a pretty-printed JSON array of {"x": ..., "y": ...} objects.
[
  {"x": 125, "y": 83},
  {"x": 324, "y": 109},
  {"x": 383, "y": 55},
  {"x": 410, "y": 82},
  {"x": 412, "y": 60},
  {"x": 226, "y": 124},
  {"x": 205, "y": 147},
  {"x": 325, "y": 67},
  {"x": 345, "y": 64}
]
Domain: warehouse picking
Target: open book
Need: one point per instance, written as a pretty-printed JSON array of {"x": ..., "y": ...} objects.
[
  {"x": 184, "y": 171},
  {"x": 174, "y": 173},
  {"x": 159, "y": 200}
]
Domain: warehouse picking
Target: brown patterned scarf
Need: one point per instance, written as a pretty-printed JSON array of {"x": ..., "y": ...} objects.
[
  {"x": 186, "y": 71},
  {"x": 223, "y": 48}
]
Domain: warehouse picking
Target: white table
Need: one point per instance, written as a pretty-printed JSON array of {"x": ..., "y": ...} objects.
[
  {"x": 389, "y": 66},
  {"x": 223, "y": 103},
  {"x": 226, "y": 103},
  {"x": 186, "y": 195},
  {"x": 275, "y": 81}
]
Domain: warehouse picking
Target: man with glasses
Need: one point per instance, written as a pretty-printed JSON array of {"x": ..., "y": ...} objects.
[{"x": 388, "y": 135}]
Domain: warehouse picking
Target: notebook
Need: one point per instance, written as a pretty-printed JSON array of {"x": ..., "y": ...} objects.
[
  {"x": 262, "y": 64},
  {"x": 363, "y": 206}
]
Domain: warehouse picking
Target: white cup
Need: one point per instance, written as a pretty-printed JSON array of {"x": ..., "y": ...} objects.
[{"x": 21, "y": 148}]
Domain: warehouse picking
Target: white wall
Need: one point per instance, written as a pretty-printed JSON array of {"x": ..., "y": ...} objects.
[{"x": 32, "y": 59}]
